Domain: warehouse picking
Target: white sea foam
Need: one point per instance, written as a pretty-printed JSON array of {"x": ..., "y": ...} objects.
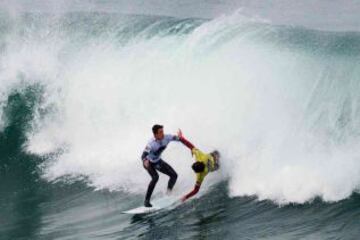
[{"x": 285, "y": 119}]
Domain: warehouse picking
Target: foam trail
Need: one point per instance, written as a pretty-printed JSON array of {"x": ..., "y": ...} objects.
[{"x": 284, "y": 117}]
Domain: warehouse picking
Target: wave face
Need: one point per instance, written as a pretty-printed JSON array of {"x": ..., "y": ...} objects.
[{"x": 79, "y": 93}]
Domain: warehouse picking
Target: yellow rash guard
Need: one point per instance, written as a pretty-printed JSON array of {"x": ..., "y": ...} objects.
[{"x": 209, "y": 162}]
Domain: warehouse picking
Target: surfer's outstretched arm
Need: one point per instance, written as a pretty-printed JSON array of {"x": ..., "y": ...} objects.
[
  {"x": 185, "y": 141},
  {"x": 192, "y": 193}
]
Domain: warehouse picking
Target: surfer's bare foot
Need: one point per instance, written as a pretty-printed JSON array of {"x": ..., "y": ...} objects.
[
  {"x": 147, "y": 204},
  {"x": 168, "y": 192}
]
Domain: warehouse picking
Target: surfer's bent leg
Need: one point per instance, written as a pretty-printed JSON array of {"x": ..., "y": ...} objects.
[
  {"x": 168, "y": 170},
  {"x": 154, "y": 178}
]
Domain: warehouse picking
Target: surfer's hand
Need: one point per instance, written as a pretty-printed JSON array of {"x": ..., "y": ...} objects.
[
  {"x": 183, "y": 199},
  {"x": 180, "y": 135},
  {"x": 146, "y": 163}
]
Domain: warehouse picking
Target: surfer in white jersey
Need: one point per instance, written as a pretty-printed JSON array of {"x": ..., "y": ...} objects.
[{"x": 152, "y": 161}]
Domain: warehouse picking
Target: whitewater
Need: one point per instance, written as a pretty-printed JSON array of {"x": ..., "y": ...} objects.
[{"x": 281, "y": 103}]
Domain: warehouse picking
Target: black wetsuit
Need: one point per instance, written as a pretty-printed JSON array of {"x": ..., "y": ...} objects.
[{"x": 162, "y": 167}]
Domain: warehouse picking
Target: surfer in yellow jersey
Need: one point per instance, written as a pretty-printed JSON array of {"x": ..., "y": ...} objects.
[{"x": 204, "y": 163}]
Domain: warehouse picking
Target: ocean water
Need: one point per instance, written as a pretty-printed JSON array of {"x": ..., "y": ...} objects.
[{"x": 80, "y": 90}]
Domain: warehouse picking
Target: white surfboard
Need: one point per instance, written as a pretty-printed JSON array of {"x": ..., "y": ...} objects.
[{"x": 158, "y": 204}]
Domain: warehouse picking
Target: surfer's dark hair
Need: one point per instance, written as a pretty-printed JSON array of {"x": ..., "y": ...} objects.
[
  {"x": 156, "y": 128},
  {"x": 198, "y": 167}
]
